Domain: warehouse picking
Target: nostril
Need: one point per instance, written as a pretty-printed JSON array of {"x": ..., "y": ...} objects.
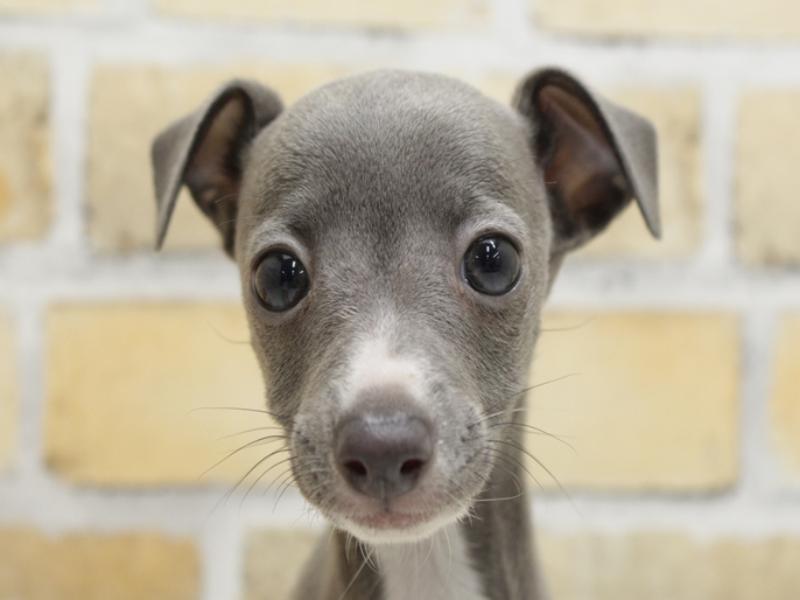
[
  {"x": 355, "y": 468},
  {"x": 412, "y": 467}
]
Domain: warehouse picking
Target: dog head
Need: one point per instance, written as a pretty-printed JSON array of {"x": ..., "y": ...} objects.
[{"x": 397, "y": 235}]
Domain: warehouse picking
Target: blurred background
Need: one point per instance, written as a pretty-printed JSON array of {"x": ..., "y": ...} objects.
[{"x": 673, "y": 367}]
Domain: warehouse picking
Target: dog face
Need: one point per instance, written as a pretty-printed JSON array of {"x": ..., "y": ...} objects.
[{"x": 396, "y": 236}]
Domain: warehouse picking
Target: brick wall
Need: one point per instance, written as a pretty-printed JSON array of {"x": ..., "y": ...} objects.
[{"x": 684, "y": 481}]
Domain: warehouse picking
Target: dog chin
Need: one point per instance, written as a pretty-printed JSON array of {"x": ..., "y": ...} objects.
[{"x": 397, "y": 528}]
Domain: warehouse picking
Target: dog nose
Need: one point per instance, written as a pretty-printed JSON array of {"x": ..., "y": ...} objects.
[{"x": 383, "y": 453}]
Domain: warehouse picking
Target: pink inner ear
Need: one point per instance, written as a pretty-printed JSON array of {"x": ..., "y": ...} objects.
[
  {"x": 207, "y": 174},
  {"x": 582, "y": 163}
]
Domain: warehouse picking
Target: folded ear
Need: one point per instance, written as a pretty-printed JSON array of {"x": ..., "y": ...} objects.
[
  {"x": 595, "y": 156},
  {"x": 204, "y": 150}
]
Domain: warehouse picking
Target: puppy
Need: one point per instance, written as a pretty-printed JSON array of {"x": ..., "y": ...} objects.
[{"x": 397, "y": 234}]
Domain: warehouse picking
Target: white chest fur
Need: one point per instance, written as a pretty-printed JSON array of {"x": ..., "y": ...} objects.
[{"x": 438, "y": 568}]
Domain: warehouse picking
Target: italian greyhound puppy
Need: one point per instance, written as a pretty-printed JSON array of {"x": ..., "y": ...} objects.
[{"x": 397, "y": 234}]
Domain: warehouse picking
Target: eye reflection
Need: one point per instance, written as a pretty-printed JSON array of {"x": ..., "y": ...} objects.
[
  {"x": 491, "y": 265},
  {"x": 280, "y": 280}
]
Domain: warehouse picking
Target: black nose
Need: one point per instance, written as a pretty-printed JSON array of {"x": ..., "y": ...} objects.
[{"x": 382, "y": 452}]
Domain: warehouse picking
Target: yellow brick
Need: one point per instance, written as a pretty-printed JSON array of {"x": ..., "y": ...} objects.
[
  {"x": 129, "y": 106},
  {"x": 767, "y": 210},
  {"x": 670, "y": 565},
  {"x": 371, "y": 13},
  {"x": 96, "y": 567},
  {"x": 273, "y": 560},
  {"x": 24, "y": 152},
  {"x": 8, "y": 392},
  {"x": 44, "y": 6},
  {"x": 785, "y": 402},
  {"x": 676, "y": 114},
  {"x": 124, "y": 383},
  {"x": 652, "y": 403},
  {"x": 676, "y": 18}
]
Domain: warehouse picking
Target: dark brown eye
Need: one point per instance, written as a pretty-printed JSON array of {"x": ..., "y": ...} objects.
[
  {"x": 280, "y": 280},
  {"x": 492, "y": 265}
]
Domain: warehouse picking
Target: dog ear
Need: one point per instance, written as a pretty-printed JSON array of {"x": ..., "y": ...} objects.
[
  {"x": 204, "y": 150},
  {"x": 595, "y": 156}
]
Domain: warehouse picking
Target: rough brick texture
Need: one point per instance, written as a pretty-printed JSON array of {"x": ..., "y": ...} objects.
[
  {"x": 96, "y": 567},
  {"x": 677, "y": 18},
  {"x": 8, "y": 391},
  {"x": 767, "y": 210},
  {"x": 24, "y": 147},
  {"x": 650, "y": 400},
  {"x": 380, "y": 13},
  {"x": 124, "y": 383},
  {"x": 785, "y": 405}
]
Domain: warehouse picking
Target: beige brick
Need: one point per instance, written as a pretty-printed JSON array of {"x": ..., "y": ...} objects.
[
  {"x": 124, "y": 383},
  {"x": 650, "y": 401},
  {"x": 676, "y": 114},
  {"x": 9, "y": 399},
  {"x": 96, "y": 567},
  {"x": 273, "y": 560},
  {"x": 670, "y": 565},
  {"x": 785, "y": 403},
  {"x": 677, "y": 18},
  {"x": 371, "y": 13},
  {"x": 43, "y": 6},
  {"x": 129, "y": 106},
  {"x": 767, "y": 211},
  {"x": 24, "y": 150}
]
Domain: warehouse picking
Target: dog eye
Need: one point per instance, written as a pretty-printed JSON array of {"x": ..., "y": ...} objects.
[
  {"x": 492, "y": 265},
  {"x": 280, "y": 280}
]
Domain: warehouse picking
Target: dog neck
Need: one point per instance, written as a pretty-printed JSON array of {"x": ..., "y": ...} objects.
[{"x": 485, "y": 557}]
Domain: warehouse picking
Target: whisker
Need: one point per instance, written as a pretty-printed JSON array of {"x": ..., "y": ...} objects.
[
  {"x": 241, "y": 480},
  {"x": 234, "y": 408},
  {"x": 253, "y": 429},
  {"x": 521, "y": 392},
  {"x": 583, "y": 323},
  {"x": 357, "y": 573},
  {"x": 225, "y": 338},
  {"x": 281, "y": 492},
  {"x": 256, "y": 442},
  {"x": 277, "y": 477},
  {"x": 533, "y": 430},
  {"x": 263, "y": 474},
  {"x": 540, "y": 463},
  {"x": 515, "y": 462}
]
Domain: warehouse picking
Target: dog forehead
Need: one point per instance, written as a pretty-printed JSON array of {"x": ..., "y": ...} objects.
[{"x": 386, "y": 155}]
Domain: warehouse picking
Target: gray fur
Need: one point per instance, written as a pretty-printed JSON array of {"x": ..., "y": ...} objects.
[{"x": 378, "y": 183}]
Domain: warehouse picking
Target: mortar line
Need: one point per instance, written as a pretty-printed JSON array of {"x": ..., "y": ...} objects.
[{"x": 717, "y": 155}]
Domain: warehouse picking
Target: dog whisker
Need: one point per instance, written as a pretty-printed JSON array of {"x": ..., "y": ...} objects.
[
  {"x": 262, "y": 440},
  {"x": 251, "y": 430},
  {"x": 541, "y": 465},
  {"x": 225, "y": 338},
  {"x": 530, "y": 429},
  {"x": 241, "y": 480},
  {"x": 515, "y": 462},
  {"x": 263, "y": 474},
  {"x": 489, "y": 416},
  {"x": 235, "y": 408},
  {"x": 355, "y": 576}
]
